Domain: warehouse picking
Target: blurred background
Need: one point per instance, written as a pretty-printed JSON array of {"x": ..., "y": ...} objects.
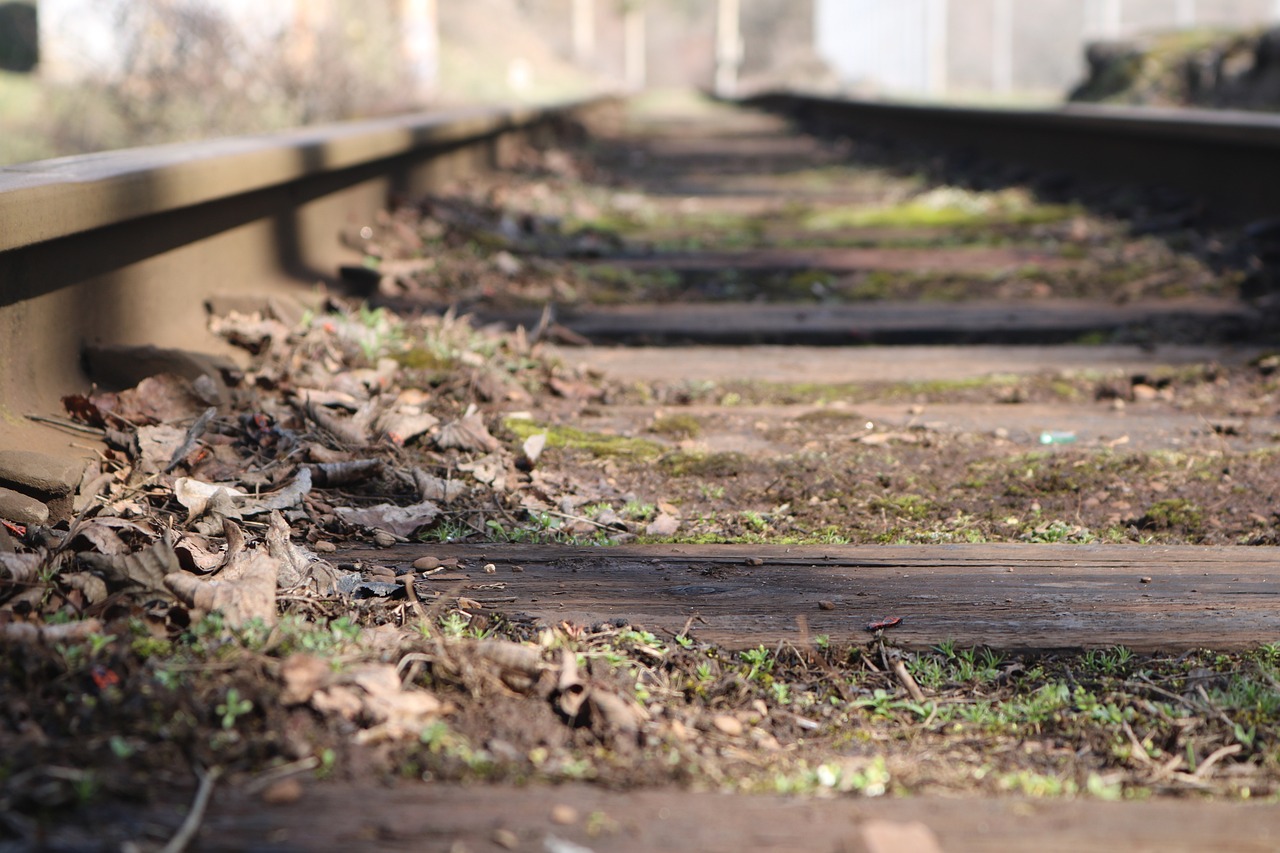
[{"x": 87, "y": 75}]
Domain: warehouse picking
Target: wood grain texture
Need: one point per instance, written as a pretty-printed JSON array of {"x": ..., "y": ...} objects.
[{"x": 1013, "y": 597}]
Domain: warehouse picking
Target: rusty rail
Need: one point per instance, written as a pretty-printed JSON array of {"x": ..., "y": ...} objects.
[
  {"x": 125, "y": 247},
  {"x": 1230, "y": 159}
]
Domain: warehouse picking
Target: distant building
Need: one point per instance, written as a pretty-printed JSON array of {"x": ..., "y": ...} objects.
[{"x": 947, "y": 48}]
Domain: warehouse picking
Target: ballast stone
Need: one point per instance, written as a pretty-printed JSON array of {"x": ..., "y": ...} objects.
[
  {"x": 39, "y": 473},
  {"x": 22, "y": 509}
]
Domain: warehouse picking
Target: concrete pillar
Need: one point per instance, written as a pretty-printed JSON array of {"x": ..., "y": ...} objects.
[
  {"x": 728, "y": 47},
  {"x": 584, "y": 31},
  {"x": 1185, "y": 13},
  {"x": 420, "y": 45},
  {"x": 634, "y": 45},
  {"x": 936, "y": 52},
  {"x": 1112, "y": 18},
  {"x": 1002, "y": 47}
]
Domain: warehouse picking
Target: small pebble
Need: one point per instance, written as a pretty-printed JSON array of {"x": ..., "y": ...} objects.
[
  {"x": 282, "y": 793},
  {"x": 506, "y": 839},
  {"x": 424, "y": 563},
  {"x": 1144, "y": 580},
  {"x": 826, "y": 605},
  {"x": 564, "y": 815},
  {"x": 383, "y": 539},
  {"x": 731, "y": 726},
  {"x": 490, "y": 568},
  {"x": 517, "y": 568},
  {"x": 324, "y": 546},
  {"x": 754, "y": 561}
]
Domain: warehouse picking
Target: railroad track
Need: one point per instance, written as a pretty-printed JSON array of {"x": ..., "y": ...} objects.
[{"x": 1059, "y": 379}]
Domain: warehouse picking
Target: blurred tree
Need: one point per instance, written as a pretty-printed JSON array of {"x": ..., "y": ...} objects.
[{"x": 19, "y": 43}]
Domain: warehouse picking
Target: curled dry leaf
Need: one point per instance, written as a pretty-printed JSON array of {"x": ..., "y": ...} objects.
[
  {"x": 402, "y": 425},
  {"x": 145, "y": 569},
  {"x": 663, "y": 525},
  {"x": 371, "y": 695},
  {"x": 612, "y": 714},
  {"x": 197, "y": 554},
  {"x": 488, "y": 471},
  {"x": 515, "y": 657},
  {"x": 432, "y": 488},
  {"x": 397, "y": 520},
  {"x": 251, "y": 595},
  {"x": 20, "y": 568},
  {"x": 533, "y": 447},
  {"x": 156, "y": 446},
  {"x": 571, "y": 689},
  {"x": 352, "y": 431},
  {"x": 332, "y": 474},
  {"x": 200, "y": 497},
  {"x": 195, "y": 495},
  {"x": 467, "y": 433},
  {"x": 299, "y": 566},
  {"x": 90, "y": 585}
]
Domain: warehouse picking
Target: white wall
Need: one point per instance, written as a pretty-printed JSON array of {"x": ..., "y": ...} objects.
[{"x": 894, "y": 46}]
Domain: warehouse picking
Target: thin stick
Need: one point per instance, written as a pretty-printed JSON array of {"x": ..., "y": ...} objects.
[
  {"x": 67, "y": 424},
  {"x": 191, "y": 825}
]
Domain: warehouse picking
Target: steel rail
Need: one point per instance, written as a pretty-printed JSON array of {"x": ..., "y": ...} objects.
[
  {"x": 126, "y": 247},
  {"x": 1226, "y": 158}
]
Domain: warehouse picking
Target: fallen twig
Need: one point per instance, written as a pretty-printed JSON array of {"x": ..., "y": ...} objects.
[{"x": 195, "y": 816}]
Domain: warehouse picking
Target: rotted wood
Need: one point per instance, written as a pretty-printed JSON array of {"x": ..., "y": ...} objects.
[{"x": 1014, "y": 597}]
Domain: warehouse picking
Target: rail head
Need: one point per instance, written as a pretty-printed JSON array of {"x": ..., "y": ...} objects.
[
  {"x": 49, "y": 199},
  {"x": 1224, "y": 158}
]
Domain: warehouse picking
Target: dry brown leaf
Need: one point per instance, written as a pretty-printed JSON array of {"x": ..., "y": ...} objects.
[
  {"x": 146, "y": 568},
  {"x": 158, "y": 399},
  {"x": 200, "y": 497},
  {"x": 614, "y": 714},
  {"x": 298, "y": 565},
  {"x": 663, "y": 525},
  {"x": 196, "y": 495},
  {"x": 331, "y": 474},
  {"x": 533, "y": 447},
  {"x": 571, "y": 689},
  {"x": 93, "y": 587},
  {"x": 99, "y": 536},
  {"x": 432, "y": 488},
  {"x": 397, "y": 520},
  {"x": 303, "y": 675},
  {"x": 398, "y": 712},
  {"x": 197, "y": 554},
  {"x": 488, "y": 471},
  {"x": 157, "y": 446},
  {"x": 20, "y": 568},
  {"x": 251, "y": 595},
  {"x": 403, "y": 425},
  {"x": 467, "y": 433}
]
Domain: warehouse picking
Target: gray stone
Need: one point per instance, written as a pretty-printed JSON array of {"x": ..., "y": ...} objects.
[
  {"x": 39, "y": 473},
  {"x": 22, "y": 509}
]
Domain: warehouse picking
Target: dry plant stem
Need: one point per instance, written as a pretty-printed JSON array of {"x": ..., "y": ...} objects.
[
  {"x": 66, "y": 424},
  {"x": 1214, "y": 757},
  {"x": 909, "y": 683},
  {"x": 284, "y": 771},
  {"x": 418, "y": 610},
  {"x": 191, "y": 825}
]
